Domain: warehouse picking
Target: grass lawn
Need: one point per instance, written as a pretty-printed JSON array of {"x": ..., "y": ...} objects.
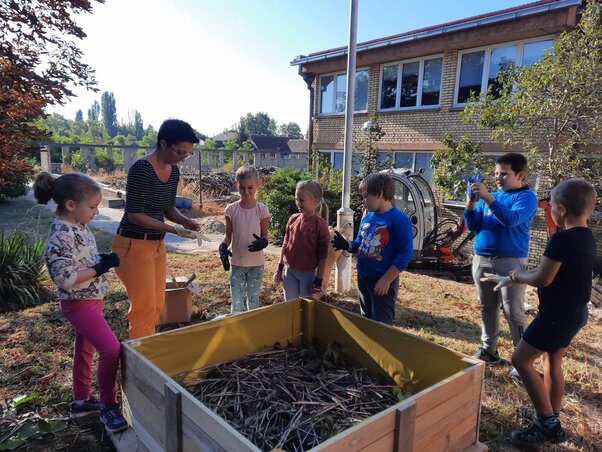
[{"x": 36, "y": 347}]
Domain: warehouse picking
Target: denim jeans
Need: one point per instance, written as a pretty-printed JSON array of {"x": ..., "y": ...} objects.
[
  {"x": 245, "y": 284},
  {"x": 296, "y": 283}
]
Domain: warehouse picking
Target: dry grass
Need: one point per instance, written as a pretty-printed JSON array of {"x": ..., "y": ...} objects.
[{"x": 36, "y": 348}]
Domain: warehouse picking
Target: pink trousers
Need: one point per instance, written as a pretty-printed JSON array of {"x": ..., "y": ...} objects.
[{"x": 92, "y": 333}]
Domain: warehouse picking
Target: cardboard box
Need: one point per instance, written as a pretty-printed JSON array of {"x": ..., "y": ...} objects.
[{"x": 178, "y": 302}]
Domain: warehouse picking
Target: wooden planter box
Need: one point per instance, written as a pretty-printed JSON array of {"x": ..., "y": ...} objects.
[{"x": 443, "y": 413}]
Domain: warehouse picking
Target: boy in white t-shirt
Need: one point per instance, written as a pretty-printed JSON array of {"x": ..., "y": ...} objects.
[{"x": 247, "y": 222}]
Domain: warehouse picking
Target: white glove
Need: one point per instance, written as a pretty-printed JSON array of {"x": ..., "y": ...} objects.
[
  {"x": 502, "y": 281},
  {"x": 183, "y": 232}
]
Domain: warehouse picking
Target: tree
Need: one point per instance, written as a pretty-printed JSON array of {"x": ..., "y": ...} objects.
[
  {"x": 109, "y": 113},
  {"x": 553, "y": 106},
  {"x": 39, "y": 65},
  {"x": 291, "y": 130},
  {"x": 138, "y": 125},
  {"x": 259, "y": 123},
  {"x": 79, "y": 116},
  {"x": 94, "y": 111}
]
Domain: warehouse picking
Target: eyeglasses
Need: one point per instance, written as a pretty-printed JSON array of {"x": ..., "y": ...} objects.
[{"x": 180, "y": 153}]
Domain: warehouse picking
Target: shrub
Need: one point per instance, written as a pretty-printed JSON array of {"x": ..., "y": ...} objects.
[
  {"x": 78, "y": 162},
  {"x": 22, "y": 270},
  {"x": 278, "y": 193},
  {"x": 102, "y": 160},
  {"x": 16, "y": 186}
]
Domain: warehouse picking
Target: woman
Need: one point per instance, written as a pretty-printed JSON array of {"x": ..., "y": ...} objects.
[{"x": 151, "y": 195}]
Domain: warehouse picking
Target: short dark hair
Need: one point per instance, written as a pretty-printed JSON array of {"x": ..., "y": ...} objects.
[
  {"x": 378, "y": 184},
  {"x": 517, "y": 162},
  {"x": 577, "y": 196},
  {"x": 175, "y": 131}
]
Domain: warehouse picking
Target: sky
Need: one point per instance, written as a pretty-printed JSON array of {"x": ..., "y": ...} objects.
[{"x": 210, "y": 62}]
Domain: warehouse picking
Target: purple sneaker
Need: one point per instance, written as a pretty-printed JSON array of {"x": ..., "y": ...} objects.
[
  {"x": 85, "y": 408},
  {"x": 110, "y": 416}
]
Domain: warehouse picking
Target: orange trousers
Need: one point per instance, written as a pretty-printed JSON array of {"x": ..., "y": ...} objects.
[{"x": 142, "y": 270}]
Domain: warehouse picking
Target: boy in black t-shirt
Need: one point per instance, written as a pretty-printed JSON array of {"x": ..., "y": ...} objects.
[{"x": 564, "y": 281}]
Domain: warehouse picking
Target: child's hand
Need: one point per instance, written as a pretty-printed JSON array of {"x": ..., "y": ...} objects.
[
  {"x": 381, "y": 287},
  {"x": 316, "y": 286},
  {"x": 278, "y": 274},
  {"x": 224, "y": 254},
  {"x": 339, "y": 242},
  {"x": 107, "y": 262},
  {"x": 502, "y": 281},
  {"x": 258, "y": 244},
  {"x": 478, "y": 190}
]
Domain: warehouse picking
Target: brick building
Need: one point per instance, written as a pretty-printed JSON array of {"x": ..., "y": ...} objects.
[{"x": 419, "y": 81}]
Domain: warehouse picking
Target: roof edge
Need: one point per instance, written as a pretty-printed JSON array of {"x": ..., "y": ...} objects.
[{"x": 450, "y": 27}]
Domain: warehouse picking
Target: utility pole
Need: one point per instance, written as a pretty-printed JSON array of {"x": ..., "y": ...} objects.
[{"x": 345, "y": 214}]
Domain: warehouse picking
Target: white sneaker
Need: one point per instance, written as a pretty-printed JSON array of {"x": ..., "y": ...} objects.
[{"x": 514, "y": 374}]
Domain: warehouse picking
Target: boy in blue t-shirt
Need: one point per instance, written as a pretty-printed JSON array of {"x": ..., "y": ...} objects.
[
  {"x": 501, "y": 220},
  {"x": 564, "y": 282},
  {"x": 384, "y": 247}
]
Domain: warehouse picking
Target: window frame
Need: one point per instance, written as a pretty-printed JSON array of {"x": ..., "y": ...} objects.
[
  {"x": 335, "y": 76},
  {"x": 399, "y": 64},
  {"x": 520, "y": 45}
]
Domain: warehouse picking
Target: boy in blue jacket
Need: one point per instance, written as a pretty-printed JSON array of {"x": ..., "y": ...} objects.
[
  {"x": 384, "y": 247},
  {"x": 501, "y": 221}
]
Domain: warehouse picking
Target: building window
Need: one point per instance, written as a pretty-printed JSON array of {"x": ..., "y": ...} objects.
[
  {"x": 479, "y": 68},
  {"x": 411, "y": 84},
  {"x": 333, "y": 92}
]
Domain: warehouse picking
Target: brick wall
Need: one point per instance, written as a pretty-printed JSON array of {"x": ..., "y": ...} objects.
[{"x": 423, "y": 130}]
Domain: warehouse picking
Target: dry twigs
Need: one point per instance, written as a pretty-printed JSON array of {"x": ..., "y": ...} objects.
[{"x": 291, "y": 398}]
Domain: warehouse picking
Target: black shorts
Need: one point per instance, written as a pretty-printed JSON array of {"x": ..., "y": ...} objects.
[{"x": 552, "y": 335}]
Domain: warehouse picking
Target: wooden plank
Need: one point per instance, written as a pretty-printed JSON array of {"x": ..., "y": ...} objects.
[
  {"x": 404, "y": 428},
  {"x": 435, "y": 395},
  {"x": 362, "y": 434},
  {"x": 213, "y": 426},
  {"x": 385, "y": 443},
  {"x": 194, "y": 438},
  {"x": 150, "y": 418},
  {"x": 441, "y": 435},
  {"x": 173, "y": 419}
]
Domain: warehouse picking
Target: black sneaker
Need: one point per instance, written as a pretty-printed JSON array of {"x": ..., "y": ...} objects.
[
  {"x": 537, "y": 434},
  {"x": 485, "y": 355},
  {"x": 85, "y": 408},
  {"x": 112, "y": 419}
]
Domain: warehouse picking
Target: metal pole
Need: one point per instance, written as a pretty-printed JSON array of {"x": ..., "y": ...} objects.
[{"x": 345, "y": 214}]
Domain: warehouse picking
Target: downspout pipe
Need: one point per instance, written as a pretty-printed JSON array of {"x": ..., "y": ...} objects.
[{"x": 309, "y": 78}]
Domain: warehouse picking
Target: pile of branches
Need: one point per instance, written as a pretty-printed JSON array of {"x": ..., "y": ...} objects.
[
  {"x": 214, "y": 184},
  {"x": 290, "y": 398}
]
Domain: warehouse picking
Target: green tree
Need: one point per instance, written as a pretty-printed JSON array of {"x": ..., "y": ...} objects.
[
  {"x": 109, "y": 113},
  {"x": 40, "y": 64},
  {"x": 291, "y": 130},
  {"x": 552, "y": 108},
  {"x": 94, "y": 111},
  {"x": 455, "y": 163},
  {"x": 138, "y": 125},
  {"x": 79, "y": 116},
  {"x": 259, "y": 123}
]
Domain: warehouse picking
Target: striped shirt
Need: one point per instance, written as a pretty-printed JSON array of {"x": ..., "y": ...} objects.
[{"x": 145, "y": 193}]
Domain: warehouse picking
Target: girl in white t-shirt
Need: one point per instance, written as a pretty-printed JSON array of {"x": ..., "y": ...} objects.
[{"x": 247, "y": 222}]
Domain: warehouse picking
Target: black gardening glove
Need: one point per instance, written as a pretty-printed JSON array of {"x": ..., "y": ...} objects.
[
  {"x": 107, "y": 262},
  {"x": 224, "y": 254},
  {"x": 258, "y": 244},
  {"x": 339, "y": 242}
]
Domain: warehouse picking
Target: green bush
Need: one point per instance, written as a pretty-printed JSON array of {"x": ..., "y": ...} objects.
[
  {"x": 22, "y": 270},
  {"x": 278, "y": 193},
  {"x": 16, "y": 185},
  {"x": 78, "y": 162},
  {"x": 102, "y": 160}
]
